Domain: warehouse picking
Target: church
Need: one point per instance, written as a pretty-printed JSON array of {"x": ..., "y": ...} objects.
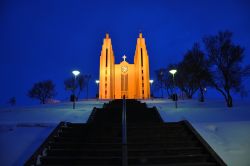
[{"x": 124, "y": 79}]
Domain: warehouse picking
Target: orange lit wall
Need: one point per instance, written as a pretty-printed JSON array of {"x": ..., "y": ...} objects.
[{"x": 117, "y": 80}]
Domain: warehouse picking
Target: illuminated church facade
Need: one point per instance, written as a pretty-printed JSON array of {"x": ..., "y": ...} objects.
[{"x": 124, "y": 79}]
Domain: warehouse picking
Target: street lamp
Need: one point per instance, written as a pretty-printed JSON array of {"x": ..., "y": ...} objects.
[
  {"x": 173, "y": 71},
  {"x": 151, "y": 82},
  {"x": 75, "y": 73},
  {"x": 97, "y": 93}
]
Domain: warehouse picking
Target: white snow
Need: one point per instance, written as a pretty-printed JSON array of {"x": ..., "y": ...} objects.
[
  {"x": 227, "y": 130},
  {"x": 23, "y": 129},
  {"x": 231, "y": 140}
]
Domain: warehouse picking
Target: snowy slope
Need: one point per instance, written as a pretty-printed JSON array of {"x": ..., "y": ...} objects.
[
  {"x": 23, "y": 129},
  {"x": 227, "y": 130},
  {"x": 231, "y": 140}
]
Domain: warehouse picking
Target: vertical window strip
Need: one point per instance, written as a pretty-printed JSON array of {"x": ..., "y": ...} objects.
[
  {"x": 126, "y": 82},
  {"x": 122, "y": 82},
  {"x": 106, "y": 57},
  {"x": 141, "y": 58}
]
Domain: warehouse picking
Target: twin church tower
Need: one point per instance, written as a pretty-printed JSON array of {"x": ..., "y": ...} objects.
[{"x": 117, "y": 80}]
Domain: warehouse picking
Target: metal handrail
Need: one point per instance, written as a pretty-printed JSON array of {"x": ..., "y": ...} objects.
[{"x": 124, "y": 134}]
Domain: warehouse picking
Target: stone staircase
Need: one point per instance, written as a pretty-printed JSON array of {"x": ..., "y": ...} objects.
[{"x": 150, "y": 141}]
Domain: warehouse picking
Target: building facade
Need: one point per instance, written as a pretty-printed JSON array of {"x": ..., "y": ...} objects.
[{"x": 124, "y": 79}]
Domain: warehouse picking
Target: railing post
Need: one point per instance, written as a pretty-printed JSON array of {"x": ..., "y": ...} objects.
[{"x": 124, "y": 134}]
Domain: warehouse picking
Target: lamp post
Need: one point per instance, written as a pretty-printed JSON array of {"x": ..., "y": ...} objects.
[
  {"x": 151, "y": 82},
  {"x": 97, "y": 93},
  {"x": 173, "y": 71},
  {"x": 75, "y": 73}
]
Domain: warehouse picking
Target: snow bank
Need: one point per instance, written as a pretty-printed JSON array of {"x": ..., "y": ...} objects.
[
  {"x": 227, "y": 130},
  {"x": 23, "y": 129},
  {"x": 231, "y": 140}
]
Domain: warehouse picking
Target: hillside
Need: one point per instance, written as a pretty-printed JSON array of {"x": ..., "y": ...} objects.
[{"x": 23, "y": 129}]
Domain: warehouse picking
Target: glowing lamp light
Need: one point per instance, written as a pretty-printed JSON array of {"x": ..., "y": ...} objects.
[
  {"x": 76, "y": 72},
  {"x": 151, "y": 81},
  {"x": 97, "y": 81},
  {"x": 173, "y": 71}
]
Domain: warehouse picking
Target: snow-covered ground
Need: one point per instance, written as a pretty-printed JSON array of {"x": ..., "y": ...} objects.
[
  {"x": 227, "y": 130},
  {"x": 23, "y": 129}
]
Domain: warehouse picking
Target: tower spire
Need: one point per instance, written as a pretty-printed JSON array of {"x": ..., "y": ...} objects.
[
  {"x": 140, "y": 35},
  {"x": 107, "y": 35}
]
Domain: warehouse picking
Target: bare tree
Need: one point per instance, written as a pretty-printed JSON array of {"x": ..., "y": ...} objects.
[
  {"x": 185, "y": 78},
  {"x": 164, "y": 80},
  {"x": 87, "y": 77},
  {"x": 196, "y": 70},
  {"x": 169, "y": 81},
  {"x": 160, "y": 79},
  {"x": 225, "y": 58},
  {"x": 73, "y": 85},
  {"x": 12, "y": 101},
  {"x": 42, "y": 91}
]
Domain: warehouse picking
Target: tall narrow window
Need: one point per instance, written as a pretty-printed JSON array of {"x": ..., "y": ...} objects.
[
  {"x": 122, "y": 83},
  {"x": 106, "y": 57},
  {"x": 141, "y": 58},
  {"x": 126, "y": 82}
]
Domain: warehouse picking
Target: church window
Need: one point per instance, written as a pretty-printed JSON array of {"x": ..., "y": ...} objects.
[
  {"x": 142, "y": 71},
  {"x": 124, "y": 82},
  {"x": 141, "y": 58},
  {"x": 106, "y": 57},
  {"x": 142, "y": 78},
  {"x": 142, "y": 91}
]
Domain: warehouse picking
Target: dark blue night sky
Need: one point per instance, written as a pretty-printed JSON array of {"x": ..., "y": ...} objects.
[{"x": 47, "y": 39}]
